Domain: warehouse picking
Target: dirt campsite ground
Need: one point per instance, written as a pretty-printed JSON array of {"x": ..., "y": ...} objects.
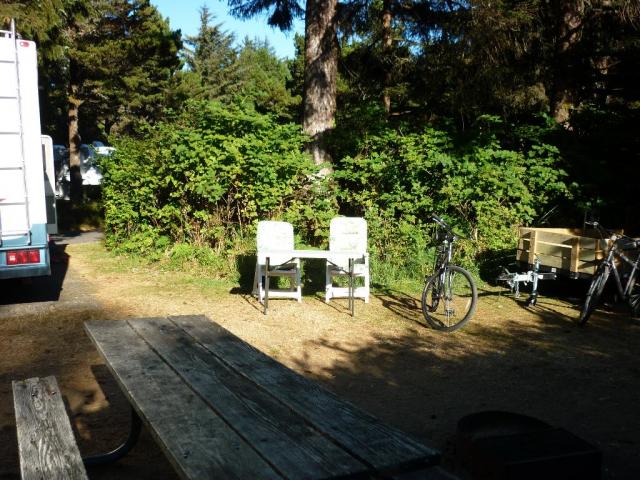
[{"x": 533, "y": 361}]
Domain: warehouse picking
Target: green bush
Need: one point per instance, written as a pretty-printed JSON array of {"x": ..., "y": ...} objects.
[
  {"x": 205, "y": 178},
  {"x": 484, "y": 184},
  {"x": 190, "y": 191}
]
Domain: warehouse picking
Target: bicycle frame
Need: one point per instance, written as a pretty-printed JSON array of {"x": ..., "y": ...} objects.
[
  {"x": 445, "y": 254},
  {"x": 443, "y": 258},
  {"x": 445, "y": 249},
  {"x": 613, "y": 264}
]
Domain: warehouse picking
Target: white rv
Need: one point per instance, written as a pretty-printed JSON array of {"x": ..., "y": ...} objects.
[{"x": 27, "y": 199}]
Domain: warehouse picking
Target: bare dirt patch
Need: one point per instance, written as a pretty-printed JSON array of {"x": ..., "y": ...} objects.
[{"x": 533, "y": 361}]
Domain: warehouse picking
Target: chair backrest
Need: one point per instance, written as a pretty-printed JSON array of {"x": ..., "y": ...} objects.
[
  {"x": 274, "y": 235},
  {"x": 347, "y": 234}
]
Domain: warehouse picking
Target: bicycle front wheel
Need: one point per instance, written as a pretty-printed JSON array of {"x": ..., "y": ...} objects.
[
  {"x": 449, "y": 299},
  {"x": 594, "y": 293}
]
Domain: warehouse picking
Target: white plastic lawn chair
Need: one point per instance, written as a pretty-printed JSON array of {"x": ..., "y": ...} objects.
[
  {"x": 347, "y": 234},
  {"x": 276, "y": 236}
]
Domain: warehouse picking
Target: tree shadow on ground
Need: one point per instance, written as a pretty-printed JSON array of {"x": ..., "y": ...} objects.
[
  {"x": 98, "y": 411},
  {"x": 585, "y": 380},
  {"x": 38, "y": 289}
]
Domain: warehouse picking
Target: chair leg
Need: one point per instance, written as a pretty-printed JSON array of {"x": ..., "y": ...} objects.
[
  {"x": 328, "y": 293},
  {"x": 256, "y": 279},
  {"x": 366, "y": 286},
  {"x": 260, "y": 285},
  {"x": 299, "y": 281}
]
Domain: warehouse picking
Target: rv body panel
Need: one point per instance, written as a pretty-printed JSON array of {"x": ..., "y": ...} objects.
[{"x": 23, "y": 171}]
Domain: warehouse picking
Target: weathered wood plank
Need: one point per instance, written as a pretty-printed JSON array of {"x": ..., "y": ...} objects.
[
  {"x": 199, "y": 443},
  {"x": 46, "y": 444},
  {"x": 575, "y": 254},
  {"x": 552, "y": 236},
  {"x": 290, "y": 444},
  {"x": 361, "y": 434},
  {"x": 563, "y": 263},
  {"x": 589, "y": 246},
  {"x": 583, "y": 257},
  {"x": 533, "y": 247}
]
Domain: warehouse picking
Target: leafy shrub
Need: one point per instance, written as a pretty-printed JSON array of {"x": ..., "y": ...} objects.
[
  {"x": 190, "y": 191},
  {"x": 205, "y": 178},
  {"x": 484, "y": 184}
]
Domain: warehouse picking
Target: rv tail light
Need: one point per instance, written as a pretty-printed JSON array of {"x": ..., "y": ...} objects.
[
  {"x": 33, "y": 256},
  {"x": 20, "y": 257}
]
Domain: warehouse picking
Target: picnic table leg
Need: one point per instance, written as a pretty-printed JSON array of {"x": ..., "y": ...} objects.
[
  {"x": 122, "y": 450},
  {"x": 266, "y": 286}
]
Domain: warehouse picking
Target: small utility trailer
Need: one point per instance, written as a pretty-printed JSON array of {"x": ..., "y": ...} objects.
[
  {"x": 27, "y": 199},
  {"x": 552, "y": 252}
]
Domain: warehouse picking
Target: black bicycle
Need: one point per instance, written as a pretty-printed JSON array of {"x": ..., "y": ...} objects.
[
  {"x": 615, "y": 262},
  {"x": 450, "y": 296}
]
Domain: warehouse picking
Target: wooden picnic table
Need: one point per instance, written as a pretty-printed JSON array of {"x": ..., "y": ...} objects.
[{"x": 219, "y": 408}]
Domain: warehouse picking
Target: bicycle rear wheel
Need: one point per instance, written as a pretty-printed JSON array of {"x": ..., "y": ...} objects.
[
  {"x": 594, "y": 293},
  {"x": 449, "y": 299}
]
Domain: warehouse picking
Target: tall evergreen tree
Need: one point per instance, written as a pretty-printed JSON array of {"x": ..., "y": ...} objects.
[
  {"x": 108, "y": 62},
  {"x": 211, "y": 56},
  {"x": 321, "y": 60},
  {"x": 121, "y": 56},
  {"x": 263, "y": 78},
  {"x": 126, "y": 60}
]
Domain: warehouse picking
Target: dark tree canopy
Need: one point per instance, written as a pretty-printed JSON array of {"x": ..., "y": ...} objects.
[
  {"x": 281, "y": 13},
  {"x": 565, "y": 72}
]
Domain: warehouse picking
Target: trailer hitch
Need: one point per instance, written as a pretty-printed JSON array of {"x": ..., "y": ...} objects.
[{"x": 513, "y": 279}]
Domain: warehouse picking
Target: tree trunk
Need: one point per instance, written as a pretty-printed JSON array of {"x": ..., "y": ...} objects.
[
  {"x": 74, "y": 146},
  {"x": 321, "y": 70},
  {"x": 387, "y": 44},
  {"x": 569, "y": 30}
]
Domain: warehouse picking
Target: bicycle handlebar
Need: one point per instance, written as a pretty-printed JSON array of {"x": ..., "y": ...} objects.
[
  {"x": 444, "y": 225},
  {"x": 633, "y": 243},
  {"x": 440, "y": 222},
  {"x": 601, "y": 230}
]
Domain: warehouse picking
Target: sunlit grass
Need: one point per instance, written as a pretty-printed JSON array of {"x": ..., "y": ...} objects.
[{"x": 153, "y": 276}]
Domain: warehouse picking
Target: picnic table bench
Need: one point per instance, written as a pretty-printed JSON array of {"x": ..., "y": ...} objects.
[
  {"x": 45, "y": 439},
  {"x": 220, "y": 408}
]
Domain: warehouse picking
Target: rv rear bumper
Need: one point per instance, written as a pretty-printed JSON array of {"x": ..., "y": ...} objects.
[{"x": 22, "y": 271}]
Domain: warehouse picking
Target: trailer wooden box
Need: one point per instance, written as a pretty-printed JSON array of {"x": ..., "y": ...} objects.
[{"x": 572, "y": 250}]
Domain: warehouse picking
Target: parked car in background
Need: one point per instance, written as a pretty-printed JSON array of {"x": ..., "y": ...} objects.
[{"x": 89, "y": 168}]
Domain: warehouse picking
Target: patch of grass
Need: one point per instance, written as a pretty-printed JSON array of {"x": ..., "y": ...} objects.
[
  {"x": 102, "y": 259},
  {"x": 166, "y": 277},
  {"x": 205, "y": 284}
]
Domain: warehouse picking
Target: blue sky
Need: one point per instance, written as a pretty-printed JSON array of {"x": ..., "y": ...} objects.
[{"x": 183, "y": 14}]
